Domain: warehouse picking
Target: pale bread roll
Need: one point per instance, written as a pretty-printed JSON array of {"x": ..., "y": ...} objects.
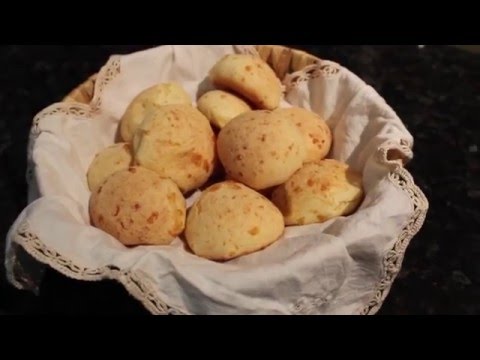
[
  {"x": 261, "y": 149},
  {"x": 318, "y": 192},
  {"x": 139, "y": 207},
  {"x": 220, "y": 107},
  {"x": 249, "y": 76},
  {"x": 158, "y": 95},
  {"x": 317, "y": 134},
  {"x": 177, "y": 142},
  {"x": 108, "y": 161},
  {"x": 230, "y": 220}
]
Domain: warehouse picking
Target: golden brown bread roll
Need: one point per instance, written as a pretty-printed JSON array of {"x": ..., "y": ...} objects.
[
  {"x": 318, "y": 192},
  {"x": 108, "y": 161},
  {"x": 317, "y": 134},
  {"x": 261, "y": 149},
  {"x": 138, "y": 207},
  {"x": 177, "y": 142},
  {"x": 230, "y": 220},
  {"x": 249, "y": 76},
  {"x": 158, "y": 95},
  {"x": 220, "y": 107}
]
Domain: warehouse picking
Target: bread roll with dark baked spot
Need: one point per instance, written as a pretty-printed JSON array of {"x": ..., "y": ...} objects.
[
  {"x": 317, "y": 134},
  {"x": 230, "y": 220},
  {"x": 261, "y": 149},
  {"x": 318, "y": 192},
  {"x": 139, "y": 207},
  {"x": 177, "y": 142},
  {"x": 249, "y": 76}
]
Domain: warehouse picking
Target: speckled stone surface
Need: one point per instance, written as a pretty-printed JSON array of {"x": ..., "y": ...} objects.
[{"x": 435, "y": 91}]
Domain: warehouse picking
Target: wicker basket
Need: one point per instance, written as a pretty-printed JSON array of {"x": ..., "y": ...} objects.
[{"x": 284, "y": 61}]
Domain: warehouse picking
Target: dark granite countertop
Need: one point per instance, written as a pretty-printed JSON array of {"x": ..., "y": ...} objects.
[{"x": 436, "y": 92}]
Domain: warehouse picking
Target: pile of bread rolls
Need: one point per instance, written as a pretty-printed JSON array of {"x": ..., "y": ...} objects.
[{"x": 261, "y": 167}]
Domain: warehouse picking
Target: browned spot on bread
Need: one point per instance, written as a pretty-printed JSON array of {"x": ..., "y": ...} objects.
[
  {"x": 130, "y": 221},
  {"x": 242, "y": 79},
  {"x": 301, "y": 221},
  {"x": 214, "y": 188},
  {"x": 263, "y": 137},
  {"x": 136, "y": 206},
  {"x": 261, "y": 207},
  {"x": 248, "y": 68},
  {"x": 172, "y": 197},
  {"x": 122, "y": 225},
  {"x": 290, "y": 147},
  {"x": 99, "y": 189},
  {"x": 299, "y": 124},
  {"x": 297, "y": 190},
  {"x": 222, "y": 96},
  {"x": 100, "y": 219},
  {"x": 196, "y": 159},
  {"x": 310, "y": 182},
  {"x": 262, "y": 162},
  {"x": 117, "y": 210},
  {"x": 132, "y": 170},
  {"x": 126, "y": 147},
  {"x": 316, "y": 141},
  {"x": 233, "y": 185},
  {"x": 254, "y": 231},
  {"x": 239, "y": 157},
  {"x": 240, "y": 174},
  {"x": 244, "y": 147},
  {"x": 206, "y": 165},
  {"x": 273, "y": 153},
  {"x": 320, "y": 218},
  {"x": 153, "y": 217}
]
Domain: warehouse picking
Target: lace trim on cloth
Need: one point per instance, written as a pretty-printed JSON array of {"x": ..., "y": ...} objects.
[
  {"x": 392, "y": 262},
  {"x": 106, "y": 74},
  {"x": 324, "y": 68},
  {"x": 392, "y": 154},
  {"x": 134, "y": 282},
  {"x": 75, "y": 109}
]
